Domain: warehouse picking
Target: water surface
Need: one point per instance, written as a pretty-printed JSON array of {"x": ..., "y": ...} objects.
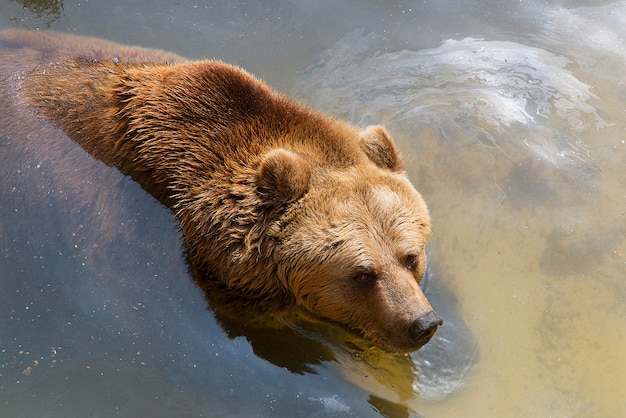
[{"x": 511, "y": 115}]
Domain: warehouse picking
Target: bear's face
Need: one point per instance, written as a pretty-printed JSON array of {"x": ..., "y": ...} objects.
[
  {"x": 353, "y": 253},
  {"x": 357, "y": 258}
]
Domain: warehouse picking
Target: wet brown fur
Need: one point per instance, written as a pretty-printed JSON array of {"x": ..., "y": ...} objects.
[{"x": 281, "y": 204}]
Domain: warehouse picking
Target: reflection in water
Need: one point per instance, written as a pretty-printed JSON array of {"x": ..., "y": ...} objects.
[
  {"x": 300, "y": 343},
  {"x": 467, "y": 89},
  {"x": 51, "y": 8}
]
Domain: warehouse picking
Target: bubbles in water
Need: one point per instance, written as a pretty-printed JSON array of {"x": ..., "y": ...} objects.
[{"x": 332, "y": 404}]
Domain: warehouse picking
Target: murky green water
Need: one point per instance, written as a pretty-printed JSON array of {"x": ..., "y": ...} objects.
[{"x": 511, "y": 114}]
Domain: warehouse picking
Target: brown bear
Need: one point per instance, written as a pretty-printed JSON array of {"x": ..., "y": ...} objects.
[{"x": 279, "y": 204}]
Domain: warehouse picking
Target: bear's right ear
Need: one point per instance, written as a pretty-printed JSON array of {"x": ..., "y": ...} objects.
[
  {"x": 283, "y": 176},
  {"x": 380, "y": 149}
]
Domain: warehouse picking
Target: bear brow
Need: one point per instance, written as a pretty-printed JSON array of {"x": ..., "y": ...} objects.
[
  {"x": 334, "y": 244},
  {"x": 337, "y": 244}
]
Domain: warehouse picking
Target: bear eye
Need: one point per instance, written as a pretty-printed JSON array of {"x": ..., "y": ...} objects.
[
  {"x": 411, "y": 262},
  {"x": 365, "y": 277}
]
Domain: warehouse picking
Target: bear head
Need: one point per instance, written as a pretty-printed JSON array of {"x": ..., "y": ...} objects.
[{"x": 351, "y": 247}]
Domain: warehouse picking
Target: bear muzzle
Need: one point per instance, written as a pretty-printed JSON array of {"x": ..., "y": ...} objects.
[{"x": 424, "y": 327}]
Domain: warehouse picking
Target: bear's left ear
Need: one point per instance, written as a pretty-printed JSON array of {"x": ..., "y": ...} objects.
[
  {"x": 380, "y": 148},
  {"x": 283, "y": 176}
]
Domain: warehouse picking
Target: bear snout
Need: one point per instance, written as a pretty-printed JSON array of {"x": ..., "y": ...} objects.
[{"x": 424, "y": 327}]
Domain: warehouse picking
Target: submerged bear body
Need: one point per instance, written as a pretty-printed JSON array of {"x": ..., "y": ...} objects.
[{"x": 279, "y": 204}]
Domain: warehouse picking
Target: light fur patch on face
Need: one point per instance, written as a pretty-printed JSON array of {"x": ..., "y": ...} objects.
[{"x": 387, "y": 199}]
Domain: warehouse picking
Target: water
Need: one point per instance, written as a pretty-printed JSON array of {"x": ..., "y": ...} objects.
[{"x": 510, "y": 114}]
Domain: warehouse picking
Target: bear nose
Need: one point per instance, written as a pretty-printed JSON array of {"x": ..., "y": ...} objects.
[{"x": 424, "y": 327}]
